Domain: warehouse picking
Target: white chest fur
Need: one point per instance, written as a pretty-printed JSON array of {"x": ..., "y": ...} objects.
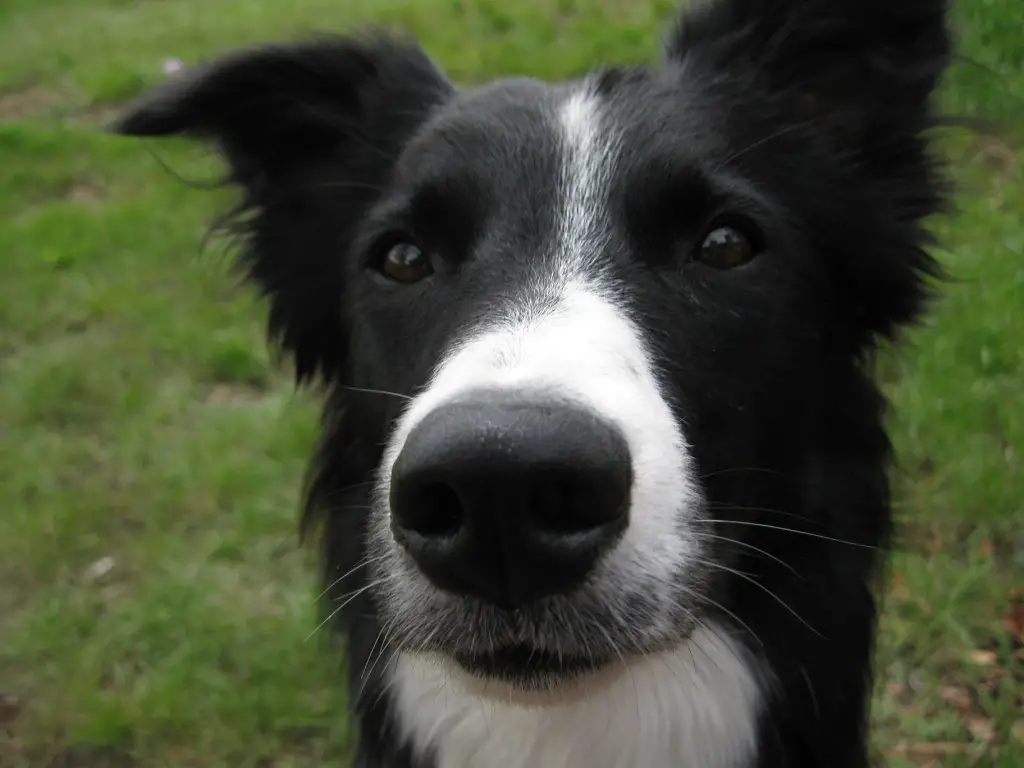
[{"x": 694, "y": 706}]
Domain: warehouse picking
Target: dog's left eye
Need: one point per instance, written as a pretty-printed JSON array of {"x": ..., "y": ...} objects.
[
  {"x": 405, "y": 262},
  {"x": 726, "y": 247}
]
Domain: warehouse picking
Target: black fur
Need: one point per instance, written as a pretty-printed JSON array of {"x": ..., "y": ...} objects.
[{"x": 815, "y": 110}]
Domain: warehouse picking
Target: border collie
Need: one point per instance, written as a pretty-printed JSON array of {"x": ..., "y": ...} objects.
[{"x": 602, "y": 479}]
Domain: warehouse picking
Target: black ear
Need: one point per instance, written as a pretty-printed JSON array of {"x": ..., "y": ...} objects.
[
  {"x": 310, "y": 132},
  {"x": 859, "y": 68}
]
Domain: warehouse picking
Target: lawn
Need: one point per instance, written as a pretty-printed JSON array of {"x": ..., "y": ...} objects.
[{"x": 155, "y": 607}]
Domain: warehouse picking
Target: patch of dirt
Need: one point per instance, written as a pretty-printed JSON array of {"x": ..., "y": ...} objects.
[
  {"x": 1013, "y": 618},
  {"x": 98, "y": 112},
  {"x": 15, "y": 752},
  {"x": 26, "y": 101},
  {"x": 233, "y": 394},
  {"x": 939, "y": 750},
  {"x": 995, "y": 153},
  {"x": 89, "y": 756},
  {"x": 920, "y": 537},
  {"x": 10, "y": 708},
  {"x": 30, "y": 101},
  {"x": 83, "y": 193}
]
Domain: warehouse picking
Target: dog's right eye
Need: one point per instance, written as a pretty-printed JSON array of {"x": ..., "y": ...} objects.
[
  {"x": 405, "y": 262},
  {"x": 727, "y": 246}
]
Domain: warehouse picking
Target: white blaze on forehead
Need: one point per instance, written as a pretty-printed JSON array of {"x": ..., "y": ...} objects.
[{"x": 588, "y": 155}]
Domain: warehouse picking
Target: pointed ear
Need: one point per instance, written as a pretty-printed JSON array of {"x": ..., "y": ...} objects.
[
  {"x": 857, "y": 68},
  {"x": 270, "y": 106},
  {"x": 310, "y": 132}
]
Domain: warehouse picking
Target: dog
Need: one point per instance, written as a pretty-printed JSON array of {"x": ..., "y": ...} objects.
[{"x": 602, "y": 473}]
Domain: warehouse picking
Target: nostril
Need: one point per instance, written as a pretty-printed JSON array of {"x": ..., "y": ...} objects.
[{"x": 432, "y": 510}]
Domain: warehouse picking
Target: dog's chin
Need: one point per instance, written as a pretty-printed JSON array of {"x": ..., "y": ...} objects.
[
  {"x": 531, "y": 676},
  {"x": 526, "y": 667}
]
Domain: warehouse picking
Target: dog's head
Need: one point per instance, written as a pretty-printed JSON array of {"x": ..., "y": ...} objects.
[{"x": 623, "y": 319}]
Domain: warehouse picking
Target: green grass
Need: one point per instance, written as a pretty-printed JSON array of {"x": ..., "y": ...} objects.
[{"x": 154, "y": 605}]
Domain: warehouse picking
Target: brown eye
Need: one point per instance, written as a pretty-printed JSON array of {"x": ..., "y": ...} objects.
[
  {"x": 406, "y": 263},
  {"x": 726, "y": 248}
]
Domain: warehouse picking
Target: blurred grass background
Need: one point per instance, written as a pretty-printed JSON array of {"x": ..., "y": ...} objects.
[{"x": 154, "y": 605}]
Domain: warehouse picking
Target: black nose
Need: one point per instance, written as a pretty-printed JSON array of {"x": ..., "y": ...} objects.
[{"x": 510, "y": 499}]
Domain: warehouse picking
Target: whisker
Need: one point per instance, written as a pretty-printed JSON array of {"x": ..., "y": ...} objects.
[
  {"x": 342, "y": 185},
  {"x": 347, "y": 489},
  {"x": 343, "y": 507},
  {"x": 383, "y": 637},
  {"x": 765, "y": 589},
  {"x": 788, "y": 530},
  {"x": 384, "y": 648},
  {"x": 723, "y": 609},
  {"x": 726, "y": 507},
  {"x": 361, "y": 564},
  {"x": 369, "y": 391},
  {"x": 352, "y": 596},
  {"x": 729, "y": 470},
  {"x": 764, "y": 140},
  {"x": 739, "y": 543},
  {"x": 717, "y": 636},
  {"x": 622, "y": 659},
  {"x": 191, "y": 184},
  {"x": 369, "y": 656}
]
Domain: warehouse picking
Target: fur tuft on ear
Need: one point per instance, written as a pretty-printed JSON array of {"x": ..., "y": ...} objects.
[
  {"x": 310, "y": 132},
  {"x": 858, "y": 66}
]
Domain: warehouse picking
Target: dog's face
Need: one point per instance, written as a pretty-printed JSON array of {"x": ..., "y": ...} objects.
[
  {"x": 592, "y": 305},
  {"x": 614, "y": 315}
]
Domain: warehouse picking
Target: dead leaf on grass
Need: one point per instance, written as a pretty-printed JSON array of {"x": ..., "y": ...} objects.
[
  {"x": 28, "y": 102},
  {"x": 83, "y": 192},
  {"x": 1013, "y": 620},
  {"x": 932, "y": 543},
  {"x": 982, "y": 658},
  {"x": 10, "y": 708},
  {"x": 929, "y": 749},
  {"x": 232, "y": 394},
  {"x": 98, "y": 570},
  {"x": 895, "y": 689},
  {"x": 981, "y": 728},
  {"x": 89, "y": 756},
  {"x": 898, "y": 588},
  {"x": 960, "y": 698},
  {"x": 995, "y": 153}
]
